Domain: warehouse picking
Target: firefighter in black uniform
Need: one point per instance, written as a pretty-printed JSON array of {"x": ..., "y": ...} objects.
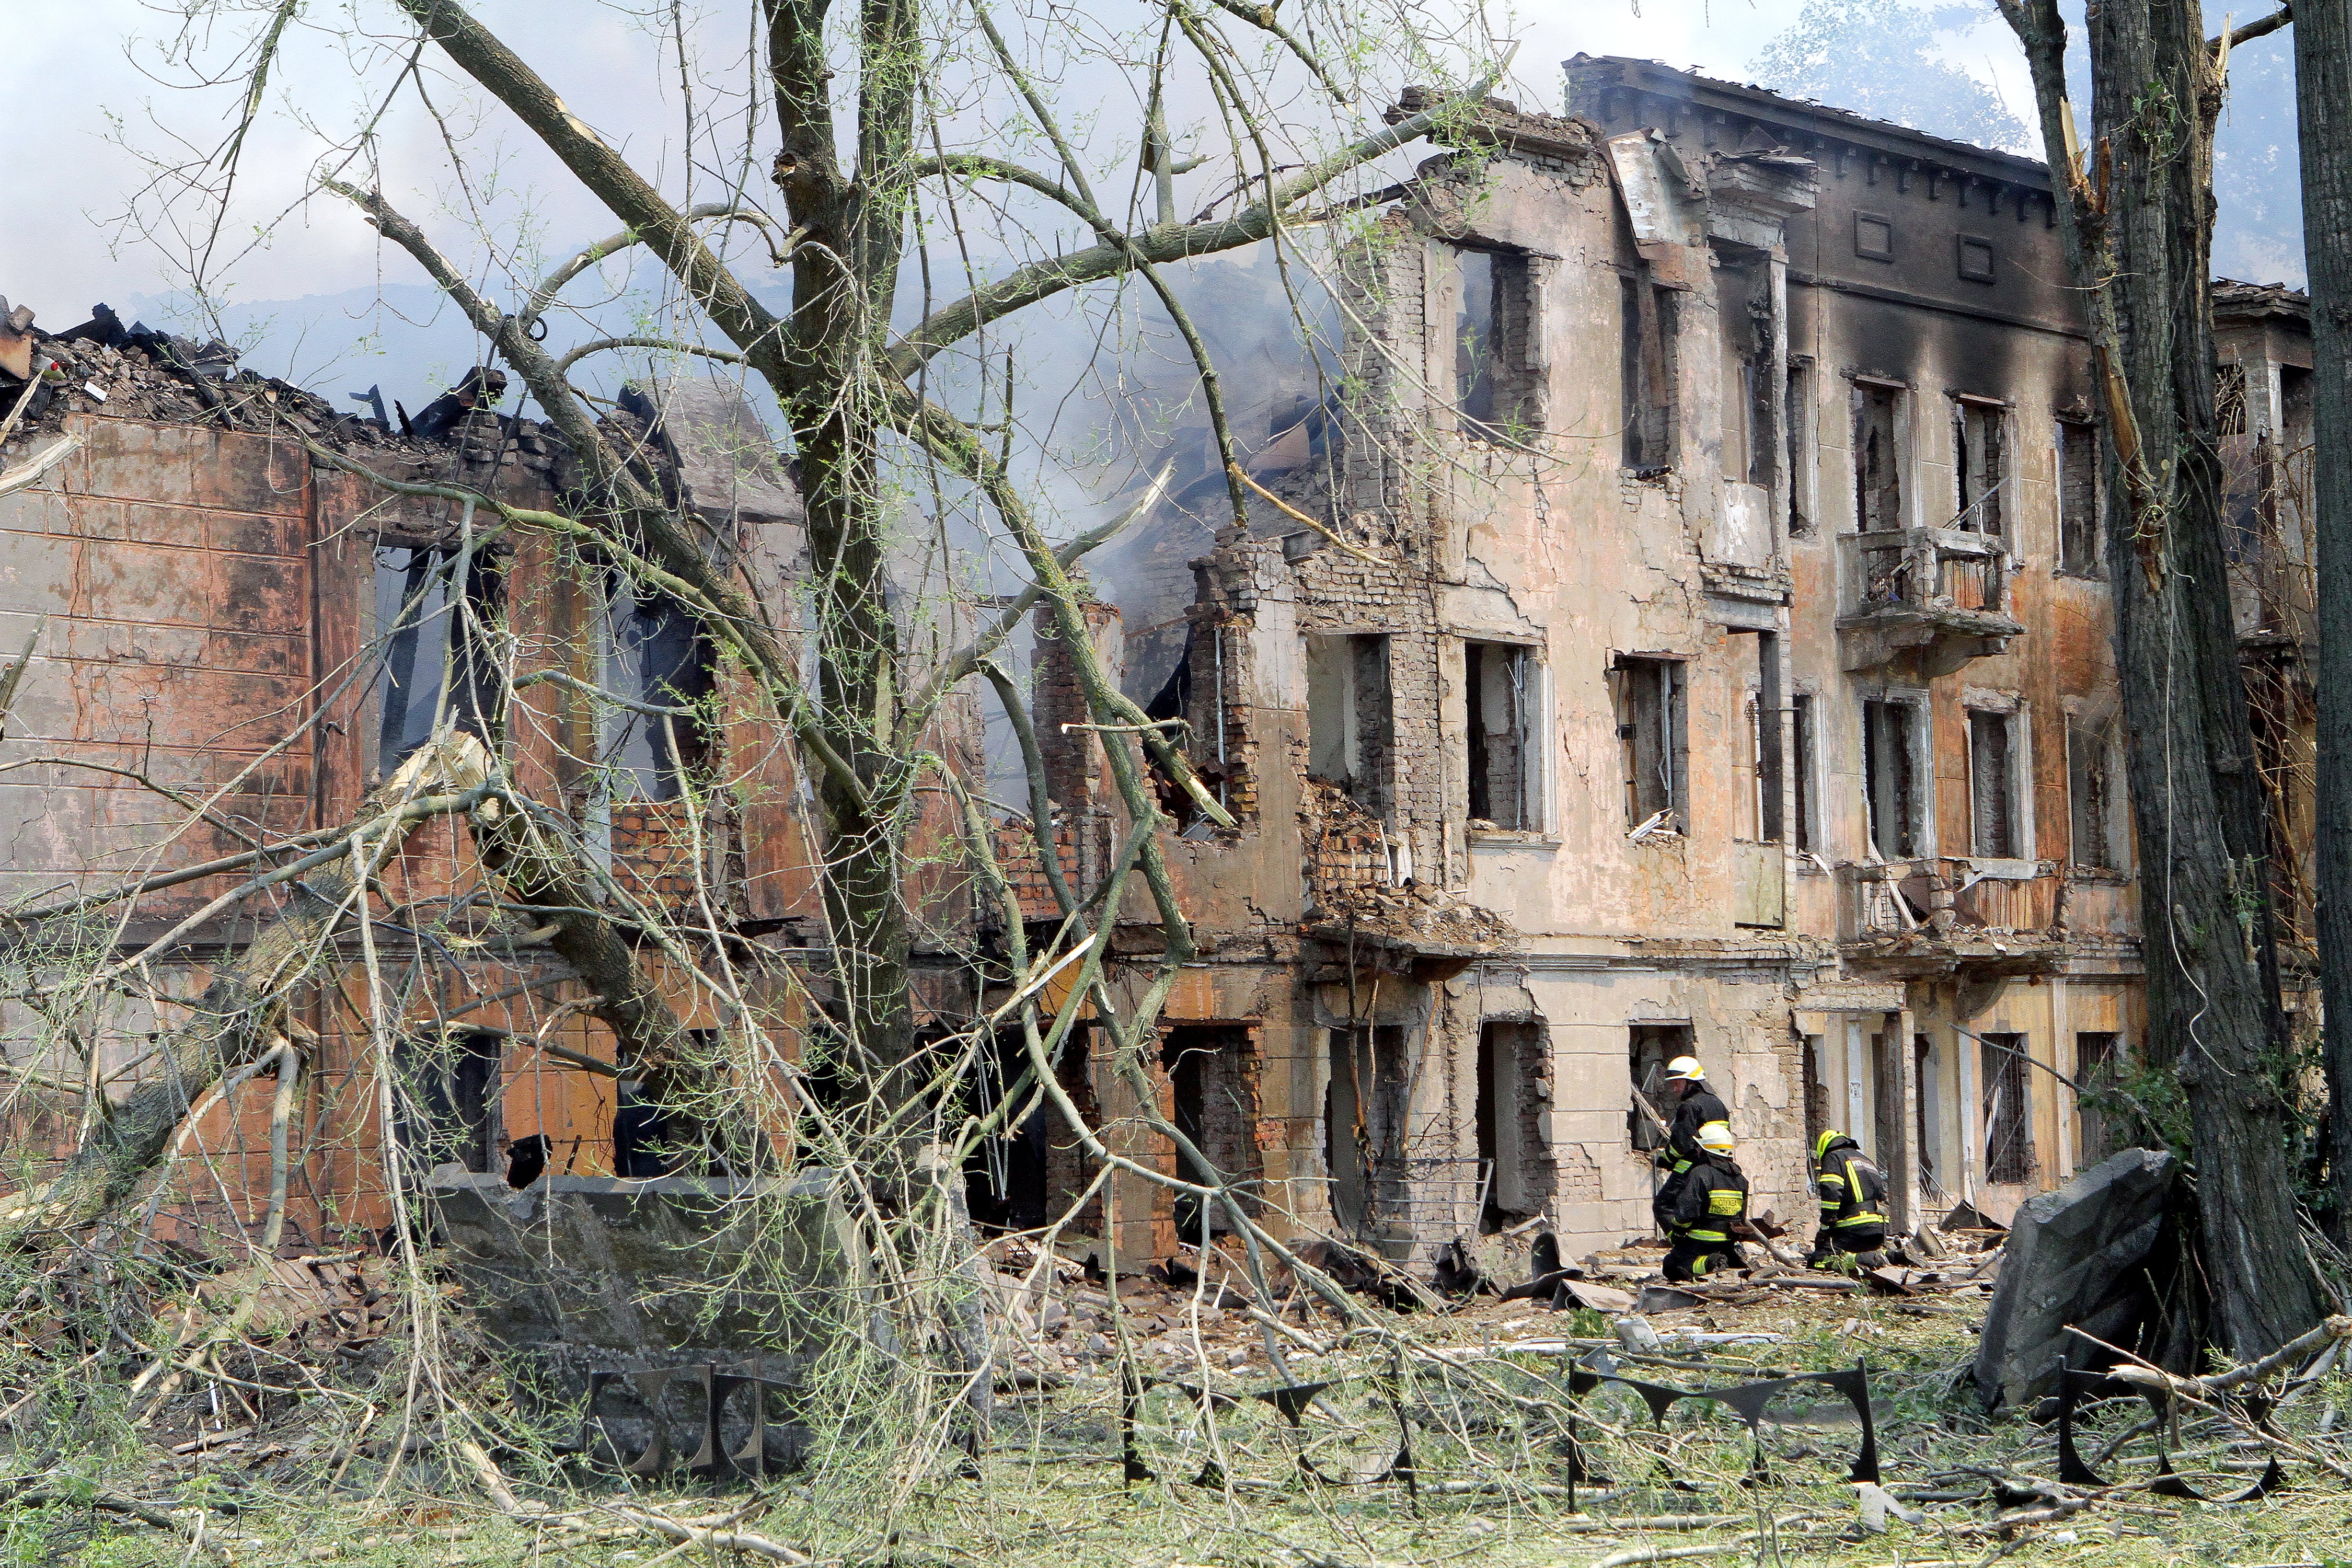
[
  {"x": 1693, "y": 1108},
  {"x": 1853, "y": 1205},
  {"x": 1710, "y": 1210}
]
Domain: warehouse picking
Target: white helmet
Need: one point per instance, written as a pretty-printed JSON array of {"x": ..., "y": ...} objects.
[
  {"x": 1715, "y": 1138},
  {"x": 1686, "y": 1069}
]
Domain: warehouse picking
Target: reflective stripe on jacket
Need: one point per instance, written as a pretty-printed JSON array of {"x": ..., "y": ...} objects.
[
  {"x": 1713, "y": 1200},
  {"x": 1851, "y": 1188}
]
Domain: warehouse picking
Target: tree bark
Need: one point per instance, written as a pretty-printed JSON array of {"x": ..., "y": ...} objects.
[
  {"x": 2138, "y": 232},
  {"x": 2322, "y": 94}
]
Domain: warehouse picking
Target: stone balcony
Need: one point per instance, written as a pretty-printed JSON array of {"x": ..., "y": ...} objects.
[
  {"x": 1954, "y": 915},
  {"x": 1933, "y": 598}
]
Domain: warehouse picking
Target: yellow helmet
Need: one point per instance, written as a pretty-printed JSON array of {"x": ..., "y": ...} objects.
[
  {"x": 1822, "y": 1144},
  {"x": 1715, "y": 1138}
]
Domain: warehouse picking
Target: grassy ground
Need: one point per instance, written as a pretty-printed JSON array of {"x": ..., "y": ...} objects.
[{"x": 1486, "y": 1439}]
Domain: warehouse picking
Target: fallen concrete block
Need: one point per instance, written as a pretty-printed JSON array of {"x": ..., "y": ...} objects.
[
  {"x": 683, "y": 1286},
  {"x": 2100, "y": 1254}
]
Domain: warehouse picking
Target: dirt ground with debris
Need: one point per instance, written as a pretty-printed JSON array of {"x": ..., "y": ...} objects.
[{"x": 1432, "y": 1438}]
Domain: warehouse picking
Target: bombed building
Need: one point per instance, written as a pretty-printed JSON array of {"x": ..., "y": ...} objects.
[
  {"x": 1676, "y": 625},
  {"x": 1688, "y": 633}
]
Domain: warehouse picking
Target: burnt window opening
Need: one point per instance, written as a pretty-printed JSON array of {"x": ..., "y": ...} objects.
[
  {"x": 659, "y": 1137},
  {"x": 1492, "y": 320},
  {"x": 1213, "y": 1079},
  {"x": 1816, "y": 1089},
  {"x": 1877, "y": 456},
  {"x": 1509, "y": 1105},
  {"x": 2007, "y": 1109},
  {"x": 1652, "y": 736},
  {"x": 1796, "y": 424},
  {"x": 2078, "y": 497},
  {"x": 1760, "y": 753},
  {"x": 1803, "y": 720},
  {"x": 1005, "y": 1177},
  {"x": 1981, "y": 465},
  {"x": 1649, "y": 1047},
  {"x": 2090, "y": 795},
  {"x": 1174, "y": 701},
  {"x": 655, "y": 655},
  {"x": 1365, "y": 1107},
  {"x": 2294, "y": 407},
  {"x": 1885, "y": 1094},
  {"x": 1500, "y": 684},
  {"x": 1923, "y": 1071},
  {"x": 1351, "y": 717},
  {"x": 1995, "y": 830},
  {"x": 1889, "y": 742},
  {"x": 439, "y": 659},
  {"x": 450, "y": 1083},
  {"x": 1648, "y": 356},
  {"x": 2098, "y": 1057},
  {"x": 1751, "y": 413},
  {"x": 2229, "y": 399}
]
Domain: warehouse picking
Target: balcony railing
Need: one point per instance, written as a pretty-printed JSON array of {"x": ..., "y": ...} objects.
[
  {"x": 1944, "y": 912},
  {"x": 1939, "y": 594}
]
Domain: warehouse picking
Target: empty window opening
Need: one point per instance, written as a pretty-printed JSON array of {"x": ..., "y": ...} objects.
[
  {"x": 439, "y": 665},
  {"x": 1885, "y": 1099},
  {"x": 1652, "y": 734},
  {"x": 450, "y": 1082},
  {"x": 1005, "y": 1181},
  {"x": 1213, "y": 1079},
  {"x": 1350, "y": 722},
  {"x": 655, "y": 656},
  {"x": 2078, "y": 496},
  {"x": 1475, "y": 335},
  {"x": 1817, "y": 1089},
  {"x": 1364, "y": 1113},
  {"x": 1797, "y": 421},
  {"x": 1923, "y": 1065},
  {"x": 1650, "y": 1046},
  {"x": 1500, "y": 680},
  {"x": 1760, "y": 752},
  {"x": 2097, "y": 1059},
  {"x": 1647, "y": 356},
  {"x": 2007, "y": 1109},
  {"x": 1888, "y": 740},
  {"x": 1802, "y": 719},
  {"x": 1980, "y": 462},
  {"x": 1507, "y": 1115},
  {"x": 1877, "y": 458},
  {"x": 2294, "y": 408},
  {"x": 1993, "y": 829},
  {"x": 2090, "y": 795}
]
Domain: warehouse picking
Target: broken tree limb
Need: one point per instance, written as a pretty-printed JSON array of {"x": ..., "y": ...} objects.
[{"x": 241, "y": 1012}]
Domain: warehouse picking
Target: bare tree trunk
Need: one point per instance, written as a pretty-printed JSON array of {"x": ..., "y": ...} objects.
[
  {"x": 2323, "y": 91},
  {"x": 2137, "y": 229}
]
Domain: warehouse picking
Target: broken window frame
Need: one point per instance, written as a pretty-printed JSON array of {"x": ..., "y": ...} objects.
[
  {"x": 450, "y": 1094},
  {"x": 1762, "y": 763},
  {"x": 1493, "y": 394},
  {"x": 1522, "y": 692},
  {"x": 662, "y": 755},
  {"x": 2007, "y": 1095},
  {"x": 1804, "y": 722},
  {"x": 1650, "y": 1044},
  {"x": 1507, "y": 1053},
  {"x": 1654, "y": 738},
  {"x": 1913, "y": 835},
  {"x": 2000, "y": 807},
  {"x": 1648, "y": 368},
  {"x": 420, "y": 626},
  {"x": 2092, "y": 797},
  {"x": 1983, "y": 465},
  {"x": 2099, "y": 1058},
  {"x": 1350, "y": 678},
  {"x": 1891, "y": 513},
  {"x": 2081, "y": 549},
  {"x": 1801, "y": 431}
]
